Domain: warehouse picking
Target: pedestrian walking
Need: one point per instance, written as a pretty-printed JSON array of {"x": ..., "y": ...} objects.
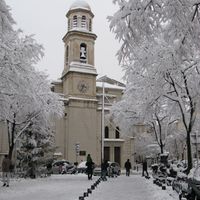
[
  {"x": 127, "y": 166},
  {"x": 144, "y": 168},
  {"x": 137, "y": 167},
  {"x": 6, "y": 171},
  {"x": 104, "y": 170},
  {"x": 90, "y": 167}
]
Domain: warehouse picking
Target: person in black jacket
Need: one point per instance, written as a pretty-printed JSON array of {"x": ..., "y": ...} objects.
[
  {"x": 127, "y": 166},
  {"x": 6, "y": 170},
  {"x": 104, "y": 170},
  {"x": 90, "y": 167},
  {"x": 144, "y": 168}
]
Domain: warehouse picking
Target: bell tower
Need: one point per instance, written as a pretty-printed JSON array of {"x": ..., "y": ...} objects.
[
  {"x": 79, "y": 126},
  {"x": 79, "y": 74}
]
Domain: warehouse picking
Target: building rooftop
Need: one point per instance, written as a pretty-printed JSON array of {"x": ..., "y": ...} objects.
[{"x": 80, "y": 4}]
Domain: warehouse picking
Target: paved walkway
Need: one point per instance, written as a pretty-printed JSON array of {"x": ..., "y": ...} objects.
[
  {"x": 134, "y": 187},
  {"x": 70, "y": 187}
]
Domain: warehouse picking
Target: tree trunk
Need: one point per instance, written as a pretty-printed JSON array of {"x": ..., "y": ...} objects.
[
  {"x": 189, "y": 153},
  {"x": 161, "y": 148},
  {"x": 11, "y": 139},
  {"x": 10, "y": 151}
]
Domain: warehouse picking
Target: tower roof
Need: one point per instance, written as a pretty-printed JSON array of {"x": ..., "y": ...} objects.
[{"x": 80, "y": 4}]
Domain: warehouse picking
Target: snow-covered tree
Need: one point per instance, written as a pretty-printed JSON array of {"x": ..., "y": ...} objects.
[
  {"x": 145, "y": 146},
  {"x": 35, "y": 150},
  {"x": 6, "y": 20},
  {"x": 34, "y": 107},
  {"x": 160, "y": 54},
  {"x": 160, "y": 115},
  {"x": 25, "y": 95},
  {"x": 176, "y": 145}
]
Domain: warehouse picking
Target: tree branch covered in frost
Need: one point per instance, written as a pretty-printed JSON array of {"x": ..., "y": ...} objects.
[
  {"x": 160, "y": 55},
  {"x": 6, "y": 20},
  {"x": 25, "y": 95}
]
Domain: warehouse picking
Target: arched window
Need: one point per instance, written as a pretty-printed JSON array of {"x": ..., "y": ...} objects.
[
  {"x": 83, "y": 22},
  {"x": 69, "y": 21},
  {"x": 83, "y": 53},
  {"x": 67, "y": 54},
  {"x": 75, "y": 21},
  {"x": 106, "y": 132},
  {"x": 90, "y": 25},
  {"x": 117, "y": 132}
]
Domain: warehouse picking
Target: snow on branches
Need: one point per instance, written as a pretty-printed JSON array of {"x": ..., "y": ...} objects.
[
  {"x": 26, "y": 99},
  {"x": 160, "y": 54}
]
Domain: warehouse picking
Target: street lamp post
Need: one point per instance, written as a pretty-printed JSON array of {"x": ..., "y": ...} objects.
[
  {"x": 77, "y": 149},
  {"x": 102, "y": 124}
]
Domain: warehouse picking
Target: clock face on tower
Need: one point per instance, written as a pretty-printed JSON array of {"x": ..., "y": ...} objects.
[{"x": 83, "y": 86}]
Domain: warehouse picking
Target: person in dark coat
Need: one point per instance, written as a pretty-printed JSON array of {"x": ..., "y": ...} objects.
[
  {"x": 127, "y": 166},
  {"x": 90, "y": 167},
  {"x": 144, "y": 168},
  {"x": 6, "y": 170},
  {"x": 104, "y": 170}
]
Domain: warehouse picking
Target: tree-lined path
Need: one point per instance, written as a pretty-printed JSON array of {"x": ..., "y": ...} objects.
[{"x": 70, "y": 187}]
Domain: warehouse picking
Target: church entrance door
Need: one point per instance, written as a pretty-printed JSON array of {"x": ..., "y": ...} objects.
[{"x": 117, "y": 156}]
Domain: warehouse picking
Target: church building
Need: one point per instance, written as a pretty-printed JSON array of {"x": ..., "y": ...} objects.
[
  {"x": 85, "y": 127},
  {"x": 87, "y": 99}
]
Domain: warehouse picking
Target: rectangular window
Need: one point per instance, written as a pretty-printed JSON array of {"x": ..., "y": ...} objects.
[{"x": 82, "y": 153}]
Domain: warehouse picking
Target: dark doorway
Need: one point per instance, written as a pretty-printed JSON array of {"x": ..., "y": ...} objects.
[
  {"x": 107, "y": 153},
  {"x": 117, "y": 155}
]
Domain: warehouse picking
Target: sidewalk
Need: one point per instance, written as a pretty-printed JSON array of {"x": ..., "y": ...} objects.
[
  {"x": 134, "y": 187},
  {"x": 70, "y": 187}
]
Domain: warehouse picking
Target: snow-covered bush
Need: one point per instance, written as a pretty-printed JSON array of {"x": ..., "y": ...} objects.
[{"x": 160, "y": 48}]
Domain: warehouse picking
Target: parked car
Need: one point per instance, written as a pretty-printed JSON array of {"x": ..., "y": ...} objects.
[
  {"x": 81, "y": 168},
  {"x": 113, "y": 169},
  {"x": 61, "y": 166}
]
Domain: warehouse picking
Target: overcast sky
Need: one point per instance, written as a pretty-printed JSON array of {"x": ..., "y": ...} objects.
[{"x": 46, "y": 20}]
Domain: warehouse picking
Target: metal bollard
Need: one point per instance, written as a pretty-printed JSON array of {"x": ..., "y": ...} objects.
[
  {"x": 85, "y": 194},
  {"x": 89, "y": 190},
  {"x": 163, "y": 187},
  {"x": 92, "y": 187}
]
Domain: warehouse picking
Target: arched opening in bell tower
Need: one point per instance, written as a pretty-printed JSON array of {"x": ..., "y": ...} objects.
[
  {"x": 75, "y": 21},
  {"x": 67, "y": 55},
  {"x": 83, "y": 53},
  {"x": 83, "y": 22},
  {"x": 90, "y": 24}
]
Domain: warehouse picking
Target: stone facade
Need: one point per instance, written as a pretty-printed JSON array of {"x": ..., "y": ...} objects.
[{"x": 80, "y": 131}]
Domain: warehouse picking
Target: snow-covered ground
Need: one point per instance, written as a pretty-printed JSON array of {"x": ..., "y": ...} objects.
[{"x": 70, "y": 187}]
